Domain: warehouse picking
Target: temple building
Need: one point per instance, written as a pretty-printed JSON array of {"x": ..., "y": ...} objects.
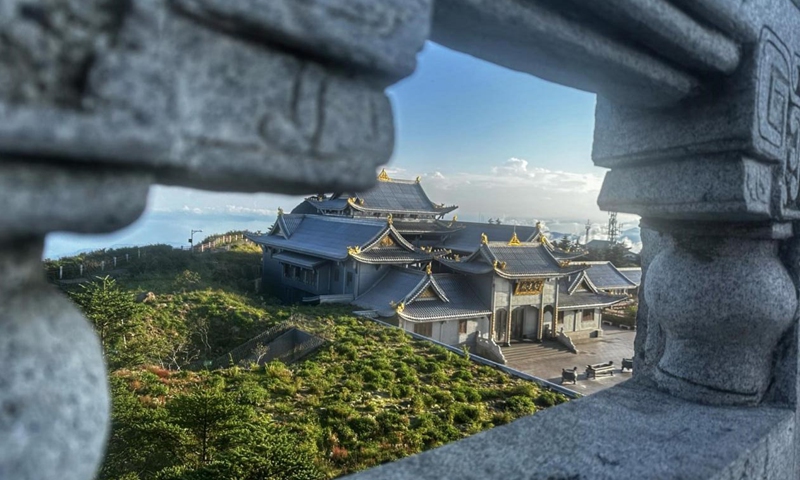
[{"x": 391, "y": 254}]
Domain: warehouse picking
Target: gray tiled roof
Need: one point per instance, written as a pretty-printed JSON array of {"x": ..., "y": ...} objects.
[
  {"x": 463, "y": 302},
  {"x": 291, "y": 222},
  {"x": 605, "y": 276},
  {"x": 324, "y": 237},
  {"x": 468, "y": 239},
  {"x": 393, "y": 287},
  {"x": 585, "y": 300},
  {"x": 298, "y": 259},
  {"x": 525, "y": 260},
  {"x": 393, "y": 254},
  {"x": 399, "y": 196},
  {"x": 437, "y": 227},
  {"x": 329, "y": 203},
  {"x": 400, "y": 284},
  {"x": 634, "y": 274},
  {"x": 474, "y": 267}
]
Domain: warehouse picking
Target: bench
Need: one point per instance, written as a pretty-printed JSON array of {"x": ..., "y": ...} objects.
[
  {"x": 569, "y": 375},
  {"x": 600, "y": 369},
  {"x": 627, "y": 363}
]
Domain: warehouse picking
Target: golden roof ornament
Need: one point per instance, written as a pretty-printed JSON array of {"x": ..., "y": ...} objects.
[
  {"x": 419, "y": 179},
  {"x": 538, "y": 225},
  {"x": 484, "y": 239},
  {"x": 495, "y": 263},
  {"x": 400, "y": 307},
  {"x": 564, "y": 263},
  {"x": 428, "y": 268},
  {"x": 280, "y": 211},
  {"x": 457, "y": 257},
  {"x": 543, "y": 239},
  {"x": 354, "y": 250},
  {"x": 383, "y": 176},
  {"x": 389, "y": 219},
  {"x": 514, "y": 242},
  {"x": 455, "y": 218}
]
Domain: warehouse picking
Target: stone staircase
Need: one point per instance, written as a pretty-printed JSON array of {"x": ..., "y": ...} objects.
[{"x": 527, "y": 352}]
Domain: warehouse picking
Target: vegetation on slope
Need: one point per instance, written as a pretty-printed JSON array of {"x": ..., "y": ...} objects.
[{"x": 370, "y": 395}]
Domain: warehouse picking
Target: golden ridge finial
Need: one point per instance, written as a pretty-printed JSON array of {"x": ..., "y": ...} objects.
[
  {"x": 428, "y": 268},
  {"x": 543, "y": 239},
  {"x": 419, "y": 179},
  {"x": 484, "y": 239},
  {"x": 455, "y": 218},
  {"x": 280, "y": 211},
  {"x": 383, "y": 176},
  {"x": 389, "y": 219},
  {"x": 354, "y": 250},
  {"x": 400, "y": 307},
  {"x": 514, "y": 240}
]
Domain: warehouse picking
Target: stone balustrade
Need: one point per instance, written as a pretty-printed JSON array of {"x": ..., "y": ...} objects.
[{"x": 698, "y": 118}]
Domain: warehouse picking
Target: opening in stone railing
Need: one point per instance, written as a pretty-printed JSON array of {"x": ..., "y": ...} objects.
[
  {"x": 696, "y": 117},
  {"x": 195, "y": 304}
]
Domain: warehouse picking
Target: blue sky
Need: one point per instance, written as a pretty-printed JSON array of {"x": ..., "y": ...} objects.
[{"x": 498, "y": 143}]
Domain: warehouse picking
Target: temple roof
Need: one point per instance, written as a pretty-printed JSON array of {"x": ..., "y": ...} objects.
[
  {"x": 426, "y": 226},
  {"x": 421, "y": 297},
  {"x": 588, "y": 299},
  {"x": 634, "y": 274},
  {"x": 321, "y": 236},
  {"x": 390, "y": 255},
  {"x": 605, "y": 276},
  {"x": 468, "y": 239},
  {"x": 395, "y": 196}
]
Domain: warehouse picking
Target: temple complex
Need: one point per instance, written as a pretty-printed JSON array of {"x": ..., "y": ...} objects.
[{"x": 391, "y": 253}]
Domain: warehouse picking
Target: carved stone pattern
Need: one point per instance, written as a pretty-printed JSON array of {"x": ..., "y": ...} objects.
[{"x": 779, "y": 111}]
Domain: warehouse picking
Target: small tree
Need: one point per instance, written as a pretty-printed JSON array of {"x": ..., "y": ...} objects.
[{"x": 111, "y": 310}]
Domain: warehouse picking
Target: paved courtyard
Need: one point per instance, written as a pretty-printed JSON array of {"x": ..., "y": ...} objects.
[{"x": 546, "y": 360}]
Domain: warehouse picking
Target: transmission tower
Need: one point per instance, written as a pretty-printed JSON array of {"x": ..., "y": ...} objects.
[{"x": 613, "y": 227}]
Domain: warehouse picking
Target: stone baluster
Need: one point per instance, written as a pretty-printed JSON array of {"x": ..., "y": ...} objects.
[
  {"x": 102, "y": 98},
  {"x": 715, "y": 179}
]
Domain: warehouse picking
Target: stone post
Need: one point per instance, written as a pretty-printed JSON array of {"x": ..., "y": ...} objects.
[
  {"x": 716, "y": 180},
  {"x": 100, "y": 99}
]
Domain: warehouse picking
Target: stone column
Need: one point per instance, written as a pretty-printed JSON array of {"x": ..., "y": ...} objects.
[
  {"x": 715, "y": 179},
  {"x": 102, "y": 98}
]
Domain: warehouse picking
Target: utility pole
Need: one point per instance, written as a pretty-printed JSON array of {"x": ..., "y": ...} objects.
[{"x": 191, "y": 240}]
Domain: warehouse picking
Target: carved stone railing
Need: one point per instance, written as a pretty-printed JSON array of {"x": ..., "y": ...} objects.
[
  {"x": 99, "y": 99},
  {"x": 698, "y": 117}
]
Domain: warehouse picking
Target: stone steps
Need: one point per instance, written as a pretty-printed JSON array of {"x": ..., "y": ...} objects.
[{"x": 533, "y": 351}]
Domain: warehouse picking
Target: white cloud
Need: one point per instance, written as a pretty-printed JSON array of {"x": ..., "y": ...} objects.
[
  {"x": 517, "y": 189},
  {"x": 512, "y": 166}
]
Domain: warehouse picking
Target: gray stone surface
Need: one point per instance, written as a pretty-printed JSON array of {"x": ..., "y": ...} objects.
[
  {"x": 715, "y": 350},
  {"x": 382, "y": 36},
  {"x": 564, "y": 44},
  {"x": 625, "y": 432},
  {"x": 40, "y": 198},
  {"x": 702, "y": 187},
  {"x": 203, "y": 95},
  {"x": 670, "y": 31},
  {"x": 54, "y": 406}
]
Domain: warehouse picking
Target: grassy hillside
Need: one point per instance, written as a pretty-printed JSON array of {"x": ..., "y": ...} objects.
[{"x": 370, "y": 395}]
